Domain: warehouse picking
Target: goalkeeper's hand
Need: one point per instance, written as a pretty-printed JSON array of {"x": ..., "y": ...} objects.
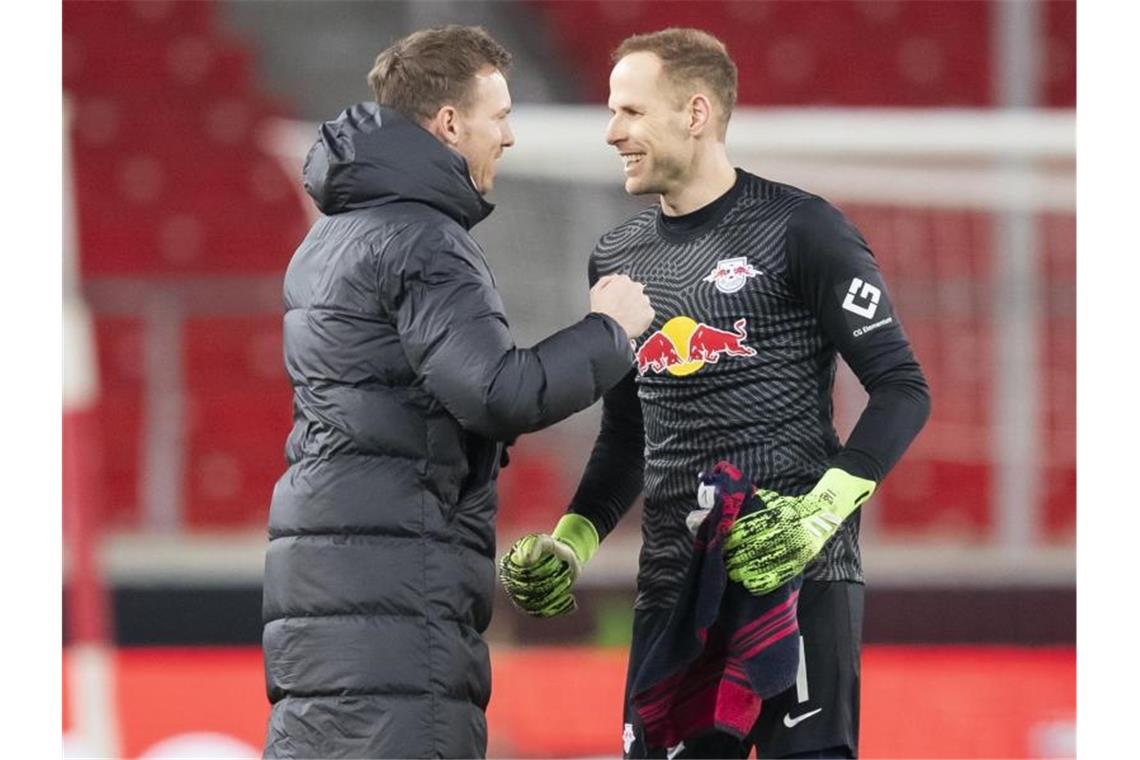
[
  {"x": 539, "y": 570},
  {"x": 767, "y": 548}
]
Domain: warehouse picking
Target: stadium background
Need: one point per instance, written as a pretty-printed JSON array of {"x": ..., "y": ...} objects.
[{"x": 185, "y": 121}]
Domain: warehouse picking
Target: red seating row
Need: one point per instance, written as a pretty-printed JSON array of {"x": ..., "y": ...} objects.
[
  {"x": 234, "y": 453},
  {"x": 190, "y": 243},
  {"x": 219, "y": 354},
  {"x": 169, "y": 175},
  {"x": 169, "y": 124},
  {"x": 950, "y": 500},
  {"x": 120, "y": 416},
  {"x": 185, "y": 64},
  {"x": 835, "y": 52},
  {"x": 236, "y": 414},
  {"x": 1059, "y": 68},
  {"x": 236, "y": 353},
  {"x": 148, "y": 186},
  {"x": 143, "y": 17}
]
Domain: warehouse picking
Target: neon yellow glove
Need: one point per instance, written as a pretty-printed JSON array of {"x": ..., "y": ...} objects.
[
  {"x": 767, "y": 548},
  {"x": 539, "y": 570}
]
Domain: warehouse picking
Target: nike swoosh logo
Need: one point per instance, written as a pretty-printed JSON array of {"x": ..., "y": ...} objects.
[{"x": 790, "y": 722}]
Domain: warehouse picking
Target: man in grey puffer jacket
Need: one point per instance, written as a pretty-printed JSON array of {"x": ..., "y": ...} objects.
[{"x": 380, "y": 571}]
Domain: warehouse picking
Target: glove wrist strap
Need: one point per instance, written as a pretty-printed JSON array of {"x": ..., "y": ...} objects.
[
  {"x": 579, "y": 533},
  {"x": 843, "y": 491}
]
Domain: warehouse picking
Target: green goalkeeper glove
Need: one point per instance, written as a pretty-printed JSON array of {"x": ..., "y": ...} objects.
[
  {"x": 767, "y": 548},
  {"x": 539, "y": 569}
]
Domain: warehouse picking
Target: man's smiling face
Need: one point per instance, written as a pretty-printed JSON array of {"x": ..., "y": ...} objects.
[
  {"x": 648, "y": 126},
  {"x": 484, "y": 132}
]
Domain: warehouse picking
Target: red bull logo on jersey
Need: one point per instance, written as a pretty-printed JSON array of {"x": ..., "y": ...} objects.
[
  {"x": 730, "y": 275},
  {"x": 682, "y": 346}
]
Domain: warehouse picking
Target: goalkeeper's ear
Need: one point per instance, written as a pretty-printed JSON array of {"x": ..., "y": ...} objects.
[{"x": 702, "y": 117}]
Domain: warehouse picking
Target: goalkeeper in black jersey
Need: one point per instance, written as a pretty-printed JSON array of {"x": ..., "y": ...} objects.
[{"x": 757, "y": 286}]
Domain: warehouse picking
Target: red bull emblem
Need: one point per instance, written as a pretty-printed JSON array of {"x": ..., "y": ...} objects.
[
  {"x": 682, "y": 346},
  {"x": 730, "y": 275}
]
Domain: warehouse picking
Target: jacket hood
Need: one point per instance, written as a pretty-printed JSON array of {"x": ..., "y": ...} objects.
[{"x": 372, "y": 155}]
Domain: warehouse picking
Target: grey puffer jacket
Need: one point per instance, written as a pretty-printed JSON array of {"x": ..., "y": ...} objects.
[{"x": 379, "y": 573}]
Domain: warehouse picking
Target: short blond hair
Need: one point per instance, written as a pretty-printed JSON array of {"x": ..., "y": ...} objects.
[{"x": 690, "y": 58}]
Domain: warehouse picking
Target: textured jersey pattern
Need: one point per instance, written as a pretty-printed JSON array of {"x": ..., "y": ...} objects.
[{"x": 770, "y": 413}]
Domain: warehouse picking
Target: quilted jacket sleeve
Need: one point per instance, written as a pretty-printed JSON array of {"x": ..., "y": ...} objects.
[{"x": 455, "y": 334}]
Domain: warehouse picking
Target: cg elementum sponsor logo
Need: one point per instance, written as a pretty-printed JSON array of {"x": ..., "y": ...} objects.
[{"x": 864, "y": 330}]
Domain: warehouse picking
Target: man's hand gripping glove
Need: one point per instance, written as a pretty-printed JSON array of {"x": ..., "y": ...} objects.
[
  {"x": 770, "y": 546},
  {"x": 539, "y": 570}
]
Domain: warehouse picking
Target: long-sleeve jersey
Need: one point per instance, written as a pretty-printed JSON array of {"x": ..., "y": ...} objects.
[{"x": 755, "y": 294}]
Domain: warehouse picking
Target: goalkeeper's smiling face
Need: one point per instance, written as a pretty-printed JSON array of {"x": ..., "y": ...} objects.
[{"x": 649, "y": 126}]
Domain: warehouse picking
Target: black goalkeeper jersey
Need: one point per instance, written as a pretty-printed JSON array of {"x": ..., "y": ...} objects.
[{"x": 755, "y": 293}]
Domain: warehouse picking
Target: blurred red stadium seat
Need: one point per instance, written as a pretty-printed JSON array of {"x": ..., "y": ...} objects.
[
  {"x": 112, "y": 61},
  {"x": 832, "y": 52},
  {"x": 152, "y": 17},
  {"x": 120, "y": 425},
  {"x": 836, "y": 52},
  {"x": 235, "y": 452}
]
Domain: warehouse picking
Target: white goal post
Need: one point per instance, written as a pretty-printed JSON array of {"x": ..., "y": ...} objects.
[{"x": 1011, "y": 160}]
